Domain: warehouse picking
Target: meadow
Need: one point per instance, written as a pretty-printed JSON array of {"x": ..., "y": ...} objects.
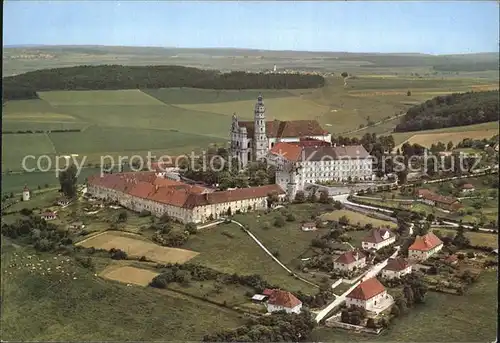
[
  {"x": 44, "y": 304},
  {"x": 230, "y": 250},
  {"x": 355, "y": 218},
  {"x": 476, "y": 238}
]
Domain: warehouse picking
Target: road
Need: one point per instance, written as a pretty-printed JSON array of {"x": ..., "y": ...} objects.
[{"x": 272, "y": 256}]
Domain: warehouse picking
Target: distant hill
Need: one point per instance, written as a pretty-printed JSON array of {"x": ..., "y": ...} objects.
[
  {"x": 451, "y": 110},
  {"x": 21, "y": 59},
  {"x": 112, "y": 77}
]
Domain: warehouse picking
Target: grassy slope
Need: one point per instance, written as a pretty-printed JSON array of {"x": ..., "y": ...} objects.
[
  {"x": 444, "y": 318},
  {"x": 241, "y": 255},
  {"x": 55, "y": 307}
]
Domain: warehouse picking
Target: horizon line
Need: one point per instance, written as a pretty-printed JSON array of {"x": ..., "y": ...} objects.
[{"x": 28, "y": 45}]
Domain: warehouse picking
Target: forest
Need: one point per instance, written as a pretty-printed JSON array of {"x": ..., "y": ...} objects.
[
  {"x": 113, "y": 77},
  {"x": 457, "y": 109}
]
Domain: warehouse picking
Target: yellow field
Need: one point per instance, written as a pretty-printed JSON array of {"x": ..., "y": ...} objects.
[
  {"x": 428, "y": 139},
  {"x": 127, "y": 274},
  {"x": 355, "y": 217},
  {"x": 288, "y": 108},
  {"x": 135, "y": 246}
]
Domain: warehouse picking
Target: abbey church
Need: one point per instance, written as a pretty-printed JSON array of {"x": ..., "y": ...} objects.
[{"x": 252, "y": 140}]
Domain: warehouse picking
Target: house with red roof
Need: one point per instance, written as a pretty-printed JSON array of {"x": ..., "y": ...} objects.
[
  {"x": 186, "y": 203},
  {"x": 443, "y": 202},
  {"x": 424, "y": 247},
  {"x": 350, "y": 260},
  {"x": 378, "y": 238},
  {"x": 48, "y": 215},
  {"x": 280, "y": 300},
  {"x": 396, "y": 268},
  {"x": 467, "y": 188},
  {"x": 370, "y": 295}
]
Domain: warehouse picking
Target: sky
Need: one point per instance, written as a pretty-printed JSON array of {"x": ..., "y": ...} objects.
[{"x": 353, "y": 26}]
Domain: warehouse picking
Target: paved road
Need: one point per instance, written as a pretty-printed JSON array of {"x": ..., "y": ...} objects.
[{"x": 367, "y": 275}]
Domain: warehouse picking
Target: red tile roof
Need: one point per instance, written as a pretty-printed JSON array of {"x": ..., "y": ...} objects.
[
  {"x": 149, "y": 186},
  {"x": 376, "y": 235},
  {"x": 429, "y": 195},
  {"x": 396, "y": 264},
  {"x": 426, "y": 242},
  {"x": 283, "y": 298},
  {"x": 291, "y": 152},
  {"x": 268, "y": 291},
  {"x": 467, "y": 186},
  {"x": 367, "y": 290},
  {"x": 287, "y": 129},
  {"x": 350, "y": 257}
]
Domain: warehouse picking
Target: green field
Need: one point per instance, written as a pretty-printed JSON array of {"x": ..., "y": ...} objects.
[
  {"x": 355, "y": 217},
  {"x": 79, "y": 306},
  {"x": 476, "y": 238},
  {"x": 443, "y": 318},
  {"x": 241, "y": 255}
]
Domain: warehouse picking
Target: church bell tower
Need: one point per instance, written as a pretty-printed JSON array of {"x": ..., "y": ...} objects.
[{"x": 261, "y": 146}]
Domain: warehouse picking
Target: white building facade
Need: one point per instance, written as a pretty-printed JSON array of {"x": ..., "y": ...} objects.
[
  {"x": 377, "y": 239},
  {"x": 297, "y": 166},
  {"x": 182, "y": 202}
]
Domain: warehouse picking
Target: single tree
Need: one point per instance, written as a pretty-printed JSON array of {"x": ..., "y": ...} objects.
[{"x": 68, "y": 179}]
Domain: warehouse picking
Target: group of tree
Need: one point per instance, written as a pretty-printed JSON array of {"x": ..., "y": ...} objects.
[
  {"x": 185, "y": 273},
  {"x": 68, "y": 179},
  {"x": 279, "y": 327},
  {"x": 216, "y": 167},
  {"x": 33, "y": 230},
  {"x": 457, "y": 109},
  {"x": 110, "y": 77}
]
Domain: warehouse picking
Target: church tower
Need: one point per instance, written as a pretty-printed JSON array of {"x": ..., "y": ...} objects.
[{"x": 261, "y": 146}]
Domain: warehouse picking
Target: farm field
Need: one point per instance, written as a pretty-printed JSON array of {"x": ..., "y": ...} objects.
[
  {"x": 228, "y": 249},
  {"x": 469, "y": 318},
  {"x": 127, "y": 274},
  {"x": 476, "y": 238},
  {"x": 355, "y": 217},
  {"x": 57, "y": 307},
  {"x": 454, "y": 134},
  {"x": 135, "y": 245}
]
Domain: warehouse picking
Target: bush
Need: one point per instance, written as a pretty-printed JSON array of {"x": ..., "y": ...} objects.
[
  {"x": 191, "y": 228},
  {"x": 117, "y": 254},
  {"x": 26, "y": 212},
  {"x": 279, "y": 222},
  {"x": 144, "y": 213},
  {"x": 290, "y": 217}
]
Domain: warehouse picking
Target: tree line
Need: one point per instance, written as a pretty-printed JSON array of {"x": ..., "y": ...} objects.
[
  {"x": 456, "y": 109},
  {"x": 112, "y": 77}
]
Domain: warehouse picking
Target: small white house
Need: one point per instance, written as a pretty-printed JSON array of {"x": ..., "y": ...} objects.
[
  {"x": 63, "y": 201},
  {"x": 48, "y": 215},
  {"x": 396, "y": 268},
  {"x": 282, "y": 300},
  {"x": 310, "y": 226},
  {"x": 26, "y": 193},
  {"x": 378, "y": 238},
  {"x": 370, "y": 295},
  {"x": 350, "y": 260},
  {"x": 467, "y": 188}
]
